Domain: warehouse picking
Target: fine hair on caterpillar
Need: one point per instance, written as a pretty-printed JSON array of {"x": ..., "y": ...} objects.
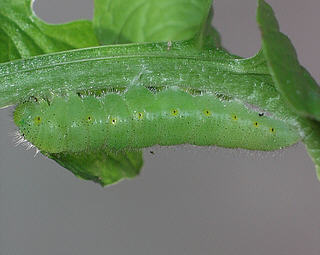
[
  {"x": 18, "y": 139},
  {"x": 138, "y": 118}
]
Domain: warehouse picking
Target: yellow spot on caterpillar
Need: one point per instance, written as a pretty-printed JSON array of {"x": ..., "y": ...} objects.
[
  {"x": 234, "y": 117},
  {"x": 113, "y": 121},
  {"x": 272, "y": 130},
  {"x": 140, "y": 115},
  {"x": 207, "y": 112},
  {"x": 256, "y": 124},
  {"x": 37, "y": 120},
  {"x": 174, "y": 112}
]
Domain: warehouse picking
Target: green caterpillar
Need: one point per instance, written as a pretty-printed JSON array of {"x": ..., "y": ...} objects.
[{"x": 141, "y": 117}]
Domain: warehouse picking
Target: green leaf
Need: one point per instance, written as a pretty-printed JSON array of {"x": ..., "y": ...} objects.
[
  {"x": 311, "y": 133},
  {"x": 293, "y": 81},
  {"x": 124, "y": 21},
  {"x": 208, "y": 36},
  {"x": 22, "y": 34},
  {"x": 103, "y": 167}
]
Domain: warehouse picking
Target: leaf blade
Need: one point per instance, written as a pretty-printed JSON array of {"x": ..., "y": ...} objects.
[
  {"x": 103, "y": 167},
  {"x": 125, "y": 21},
  {"x": 23, "y": 34},
  {"x": 293, "y": 81}
]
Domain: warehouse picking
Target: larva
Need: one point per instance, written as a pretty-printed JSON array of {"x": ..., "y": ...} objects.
[{"x": 140, "y": 117}]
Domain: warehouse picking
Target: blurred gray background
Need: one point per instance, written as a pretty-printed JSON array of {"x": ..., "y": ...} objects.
[{"x": 188, "y": 200}]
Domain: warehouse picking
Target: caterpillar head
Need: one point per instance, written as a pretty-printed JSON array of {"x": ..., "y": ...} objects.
[{"x": 28, "y": 118}]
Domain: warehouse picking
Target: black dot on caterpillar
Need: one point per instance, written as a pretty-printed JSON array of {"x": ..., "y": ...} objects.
[
  {"x": 261, "y": 114},
  {"x": 272, "y": 130},
  {"x": 207, "y": 112},
  {"x": 235, "y": 117},
  {"x": 140, "y": 115},
  {"x": 256, "y": 124},
  {"x": 37, "y": 120},
  {"x": 174, "y": 112},
  {"x": 113, "y": 121}
]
